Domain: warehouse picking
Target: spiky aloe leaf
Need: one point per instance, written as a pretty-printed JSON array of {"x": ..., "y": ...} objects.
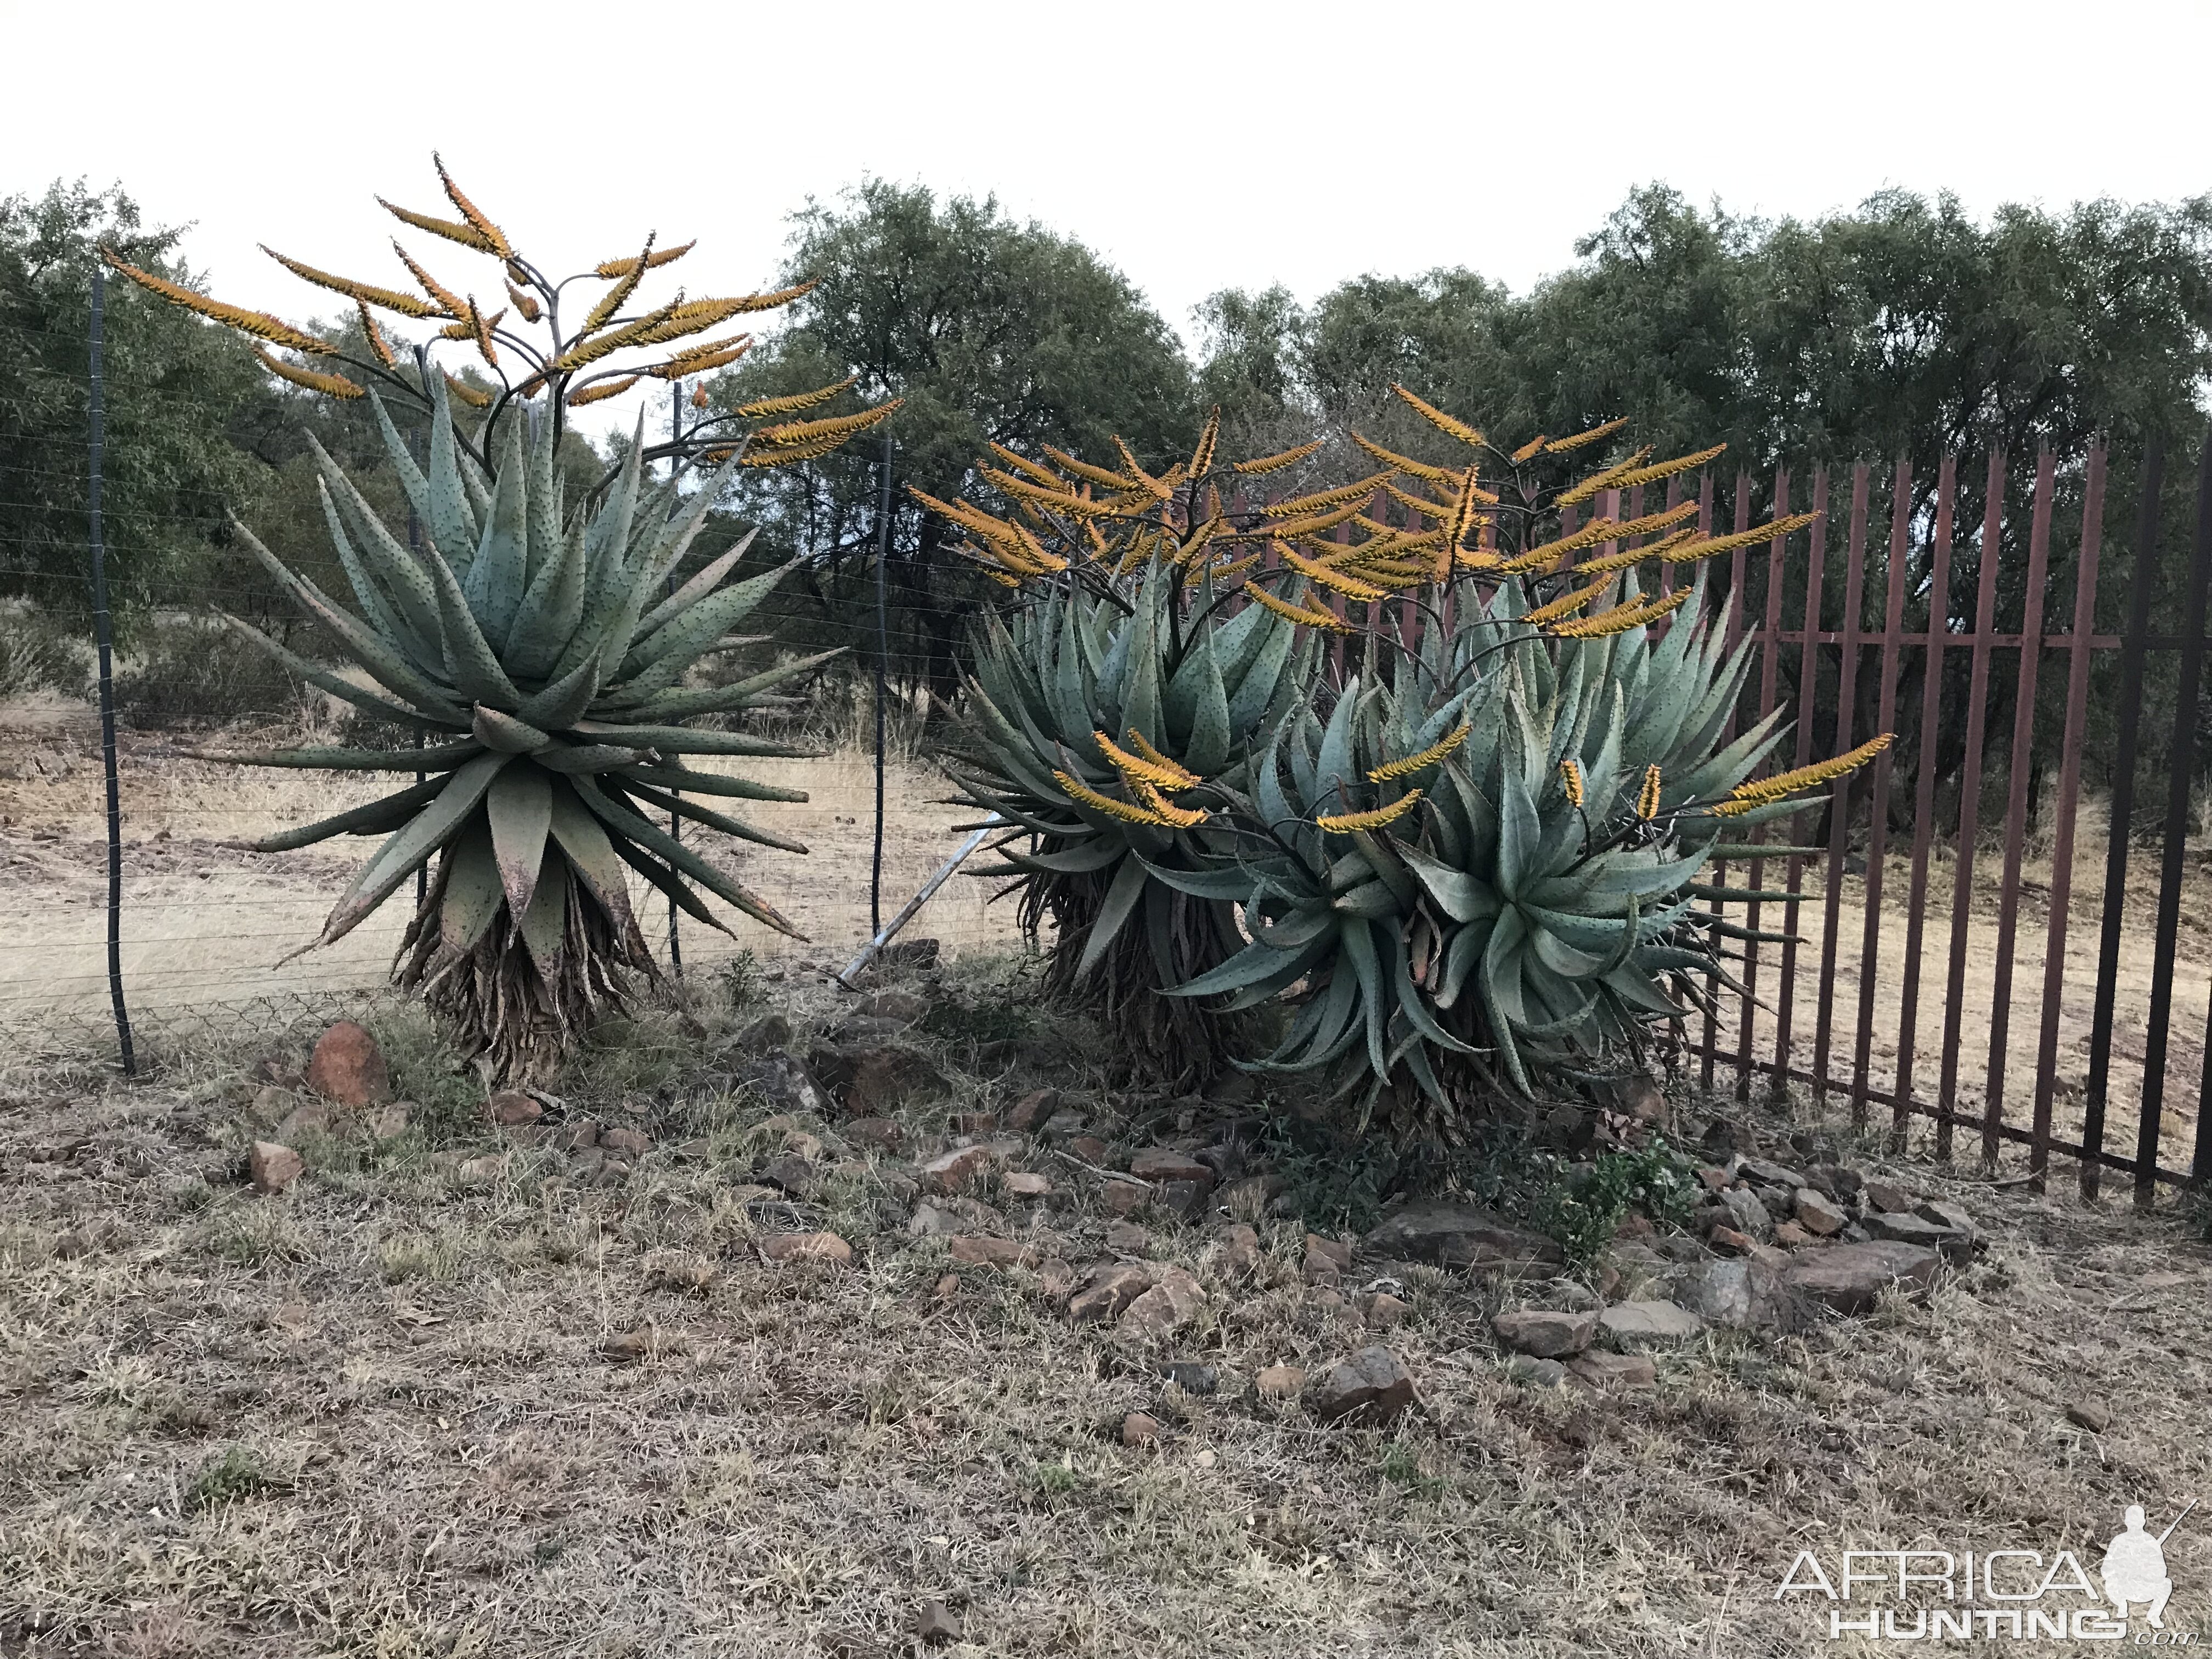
[
  {"x": 473, "y": 893},
  {"x": 519, "y": 808},
  {"x": 412, "y": 846}
]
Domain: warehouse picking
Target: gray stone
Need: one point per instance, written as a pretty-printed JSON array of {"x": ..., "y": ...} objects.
[
  {"x": 1538, "y": 1373},
  {"x": 1634, "y": 1326},
  {"x": 1544, "y": 1334},
  {"x": 1887, "y": 1195},
  {"x": 1955, "y": 1244},
  {"x": 1606, "y": 1371},
  {"x": 1370, "y": 1386},
  {"x": 1745, "y": 1213},
  {"x": 1839, "y": 1180},
  {"x": 766, "y": 1035},
  {"x": 1818, "y": 1214},
  {"x": 1766, "y": 1173},
  {"x": 1847, "y": 1279},
  {"x": 1110, "y": 1290},
  {"x": 1954, "y": 1216},
  {"x": 1462, "y": 1235},
  {"x": 784, "y": 1084},
  {"x": 1742, "y": 1294}
]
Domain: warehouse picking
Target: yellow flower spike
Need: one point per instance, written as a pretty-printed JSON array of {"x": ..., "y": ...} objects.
[
  {"x": 1355, "y": 495},
  {"x": 467, "y": 394},
  {"x": 764, "y": 409},
  {"x": 483, "y": 227},
  {"x": 405, "y": 304},
  {"x": 480, "y": 328},
  {"x": 1571, "y": 780},
  {"x": 1326, "y": 621},
  {"x": 1023, "y": 463},
  {"x": 1406, "y": 465},
  {"x": 1202, "y": 458},
  {"x": 1421, "y": 504},
  {"x": 1321, "y": 576},
  {"x": 1097, "y": 475},
  {"x": 1431, "y": 755},
  {"x": 837, "y": 426},
  {"x": 1644, "y": 475},
  {"x": 258, "y": 323},
  {"x": 375, "y": 337},
  {"x": 330, "y": 385},
  {"x": 1077, "y": 790},
  {"x": 523, "y": 303},
  {"x": 1188, "y": 778},
  {"x": 1382, "y": 818},
  {"x": 1253, "y": 469},
  {"x": 1667, "y": 550},
  {"x": 1462, "y": 520},
  {"x": 611, "y": 268},
  {"x": 1808, "y": 777},
  {"x": 1690, "y": 552},
  {"x": 1560, "y": 445},
  {"x": 1647, "y": 799},
  {"x": 1529, "y": 451},
  {"x": 704, "y": 358},
  {"x": 1315, "y": 523},
  {"x": 1182, "y": 817},
  {"x": 1223, "y": 575},
  {"x": 1148, "y": 766},
  {"x": 1604, "y": 478},
  {"x": 466, "y": 234},
  {"x": 1160, "y": 488},
  {"x": 1435, "y": 417},
  {"x": 613, "y": 300},
  {"x": 449, "y": 303},
  {"x": 1620, "y": 619},
  {"x": 1567, "y": 604},
  {"x": 605, "y": 389}
]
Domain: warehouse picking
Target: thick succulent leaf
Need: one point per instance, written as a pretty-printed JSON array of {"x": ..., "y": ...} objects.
[
  {"x": 581, "y": 758},
  {"x": 366, "y": 593},
  {"x": 667, "y": 552},
  {"x": 386, "y": 559},
  {"x": 448, "y": 516},
  {"x": 1293, "y": 966},
  {"x": 684, "y": 740},
  {"x": 668, "y": 652},
  {"x": 519, "y": 807},
  {"x": 509, "y": 735},
  {"x": 696, "y": 589},
  {"x": 412, "y": 846},
  {"x": 1113, "y": 914},
  {"x": 499, "y": 574},
  {"x": 591, "y": 856},
  {"x": 1460, "y": 956},
  {"x": 1411, "y": 1004},
  {"x": 549, "y": 611},
  {"x": 1080, "y": 859},
  {"x": 1359, "y": 949},
  {"x": 670, "y": 883},
  {"x": 378, "y": 817},
  {"x": 700, "y": 812},
  {"x": 741, "y": 694},
  {"x": 562, "y": 703},
  {"x": 542, "y": 519},
  {"x": 1249, "y": 966},
  {"x": 545, "y": 924},
  {"x": 443, "y": 758},
  {"x": 473, "y": 894},
  {"x": 1334, "y": 766},
  {"x": 1461, "y": 896},
  {"x": 470, "y": 659},
  {"x": 360, "y": 696},
  {"x": 715, "y": 783},
  {"x": 655, "y": 839}
]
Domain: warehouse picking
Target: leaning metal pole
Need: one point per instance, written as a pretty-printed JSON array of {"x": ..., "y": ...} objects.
[{"x": 103, "y": 633}]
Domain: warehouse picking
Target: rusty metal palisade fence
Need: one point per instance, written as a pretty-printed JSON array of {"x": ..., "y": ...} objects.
[{"x": 1817, "y": 656}]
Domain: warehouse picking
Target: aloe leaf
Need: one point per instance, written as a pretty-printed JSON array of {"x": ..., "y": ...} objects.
[
  {"x": 699, "y": 812},
  {"x": 396, "y": 859},
  {"x": 655, "y": 839},
  {"x": 549, "y": 611},
  {"x": 1359, "y": 949},
  {"x": 520, "y": 806},
  {"x": 1292, "y": 966},
  {"x": 671, "y": 884},
  {"x": 376, "y": 818},
  {"x": 667, "y": 654},
  {"x": 715, "y": 783},
  {"x": 1114, "y": 912},
  {"x": 385, "y": 556},
  {"x": 579, "y": 759},
  {"x": 1080, "y": 859},
  {"x": 741, "y": 694},
  {"x": 509, "y": 735},
  {"x": 360, "y": 696},
  {"x": 447, "y": 518},
  {"x": 472, "y": 891},
  {"x": 696, "y": 589},
  {"x": 443, "y": 758},
  {"x": 475, "y": 667},
  {"x": 499, "y": 574},
  {"x": 544, "y": 927},
  {"x": 1461, "y": 896}
]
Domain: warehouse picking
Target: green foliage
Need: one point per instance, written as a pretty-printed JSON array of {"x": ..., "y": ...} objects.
[
  {"x": 1582, "y": 1205},
  {"x": 38, "y": 654},
  {"x": 186, "y": 670},
  {"x": 234, "y": 1475}
]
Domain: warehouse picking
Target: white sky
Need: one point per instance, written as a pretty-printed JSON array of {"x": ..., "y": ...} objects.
[{"x": 1196, "y": 145}]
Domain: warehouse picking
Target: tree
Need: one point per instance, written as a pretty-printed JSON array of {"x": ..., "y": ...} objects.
[{"x": 992, "y": 331}]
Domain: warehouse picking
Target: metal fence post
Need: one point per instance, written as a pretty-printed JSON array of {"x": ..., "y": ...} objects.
[
  {"x": 882, "y": 657},
  {"x": 103, "y": 634}
]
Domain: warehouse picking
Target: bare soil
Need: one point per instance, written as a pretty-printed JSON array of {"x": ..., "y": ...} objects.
[{"x": 378, "y": 1414}]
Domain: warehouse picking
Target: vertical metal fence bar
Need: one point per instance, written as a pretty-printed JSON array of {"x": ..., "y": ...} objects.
[
  {"x": 1809, "y": 681},
  {"x": 1923, "y": 788},
  {"x": 1769, "y": 672},
  {"x": 2018, "y": 763},
  {"x": 1892, "y": 630},
  {"x": 2141, "y": 577},
  {"x": 675, "y": 819},
  {"x": 883, "y": 669},
  {"x": 1732, "y": 630},
  {"x": 2084, "y": 628},
  {"x": 2180, "y": 770},
  {"x": 1839, "y": 798},
  {"x": 104, "y": 640},
  {"x": 1970, "y": 802}
]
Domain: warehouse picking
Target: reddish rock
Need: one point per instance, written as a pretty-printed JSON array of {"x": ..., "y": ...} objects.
[
  {"x": 1789, "y": 1236},
  {"x": 1023, "y": 1183},
  {"x": 1031, "y": 1110},
  {"x": 1601, "y": 1370},
  {"x": 1818, "y": 1214},
  {"x": 1281, "y": 1383},
  {"x": 1383, "y": 1311},
  {"x": 1327, "y": 1260},
  {"x": 1463, "y": 1236},
  {"x": 991, "y": 1252},
  {"x": 511, "y": 1107},
  {"x": 884, "y": 1132},
  {"x": 1089, "y": 1148},
  {"x": 1640, "y": 1098},
  {"x": 1109, "y": 1292},
  {"x": 315, "y": 1117},
  {"x": 1729, "y": 1241},
  {"x": 348, "y": 1067},
  {"x": 1123, "y": 1197},
  {"x": 1128, "y": 1238},
  {"x": 1172, "y": 1304},
  {"x": 1140, "y": 1429},
  {"x": 1240, "y": 1251},
  {"x": 1156, "y": 1163},
  {"x": 1370, "y": 1386},
  {"x": 1544, "y": 1334},
  {"x": 1056, "y": 1278},
  {"x": 956, "y": 1171},
  {"x": 807, "y": 1246},
  {"x": 975, "y": 1124},
  {"x": 625, "y": 1142},
  {"x": 275, "y": 1167},
  {"x": 1849, "y": 1279}
]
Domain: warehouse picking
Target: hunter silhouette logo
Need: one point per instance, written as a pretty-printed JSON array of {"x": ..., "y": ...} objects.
[{"x": 2134, "y": 1569}]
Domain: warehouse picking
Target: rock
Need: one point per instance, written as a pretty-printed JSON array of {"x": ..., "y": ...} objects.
[
  {"x": 1329, "y": 1300},
  {"x": 314, "y": 1117},
  {"x": 976, "y": 1252},
  {"x": 348, "y": 1067},
  {"x": 1790, "y": 1236},
  {"x": 2089, "y": 1414},
  {"x": 932, "y": 1221},
  {"x": 1110, "y": 1290},
  {"x": 1608, "y": 1372},
  {"x": 1140, "y": 1429},
  {"x": 1748, "y": 1215},
  {"x": 1383, "y": 1311},
  {"x": 483, "y": 1170},
  {"x": 275, "y": 1167},
  {"x": 1462, "y": 1235},
  {"x": 1729, "y": 1241},
  {"x": 1172, "y": 1304},
  {"x": 588, "y": 1163},
  {"x": 1719, "y": 1139},
  {"x": 1954, "y": 1216},
  {"x": 790, "y": 1173},
  {"x": 1189, "y": 1376},
  {"x": 1186, "y": 1199},
  {"x": 1281, "y": 1383},
  {"x": 886, "y": 1133},
  {"x": 1955, "y": 1243},
  {"x": 624, "y": 1141},
  {"x": 1837, "y": 1181},
  {"x": 764, "y": 1036},
  {"x": 1128, "y": 1238},
  {"x": 1633, "y": 1327},
  {"x": 1886, "y": 1195},
  {"x": 388, "y": 1122},
  {"x": 974, "y": 1126},
  {"x": 784, "y": 1085},
  {"x": 1847, "y": 1279},
  {"x": 1539, "y": 1373},
  {"x": 1370, "y": 1386},
  {"x": 1123, "y": 1197},
  {"x": 1640, "y": 1098},
  {"x": 269, "y": 1104},
  {"x": 1031, "y": 1110},
  {"x": 1818, "y": 1212},
  {"x": 575, "y": 1135},
  {"x": 1240, "y": 1251},
  {"x": 937, "y": 1625},
  {"x": 1056, "y": 1278},
  {"x": 1546, "y": 1335},
  {"x": 1023, "y": 1183},
  {"x": 956, "y": 1171},
  {"x": 1156, "y": 1163},
  {"x": 807, "y": 1246},
  {"x": 878, "y": 1078},
  {"x": 1327, "y": 1260},
  {"x": 511, "y": 1107},
  {"x": 1714, "y": 1177},
  {"x": 1741, "y": 1295},
  {"x": 1067, "y": 1123},
  {"x": 1089, "y": 1148},
  {"x": 1247, "y": 1200},
  {"x": 1766, "y": 1173},
  {"x": 903, "y": 1006}
]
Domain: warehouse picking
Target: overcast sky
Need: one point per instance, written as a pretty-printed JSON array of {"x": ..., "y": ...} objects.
[{"x": 1196, "y": 145}]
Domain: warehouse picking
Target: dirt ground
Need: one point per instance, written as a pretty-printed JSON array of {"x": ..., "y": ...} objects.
[{"x": 378, "y": 1415}]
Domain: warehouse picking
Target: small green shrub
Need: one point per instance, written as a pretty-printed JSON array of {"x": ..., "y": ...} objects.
[
  {"x": 198, "y": 671},
  {"x": 1582, "y": 1205},
  {"x": 234, "y": 1475}
]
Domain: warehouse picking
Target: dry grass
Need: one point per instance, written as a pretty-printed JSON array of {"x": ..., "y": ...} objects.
[{"x": 373, "y": 1417}]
